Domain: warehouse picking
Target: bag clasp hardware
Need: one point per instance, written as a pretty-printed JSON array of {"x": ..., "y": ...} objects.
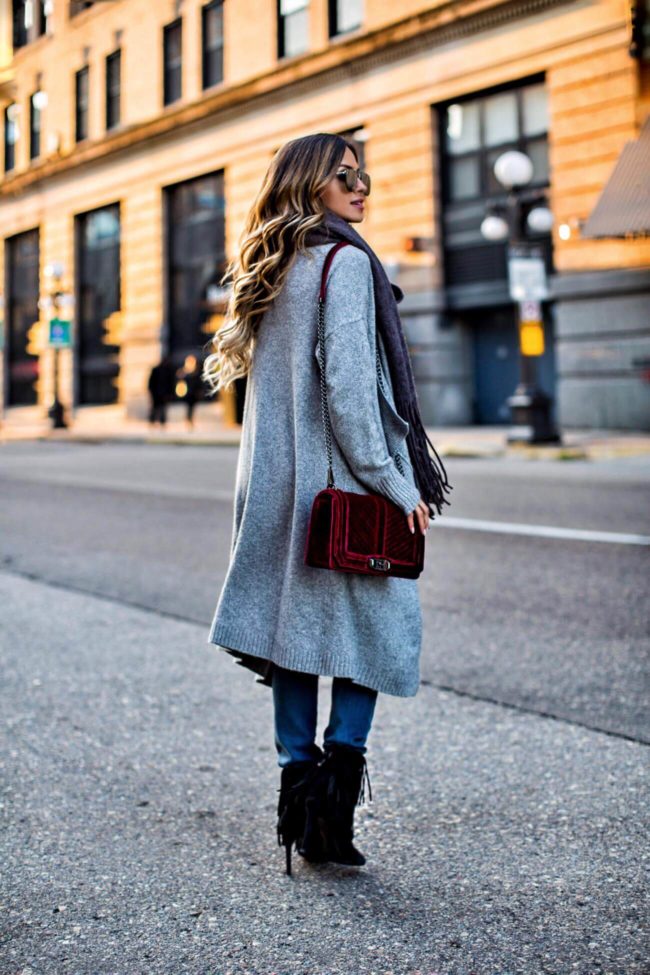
[{"x": 382, "y": 564}]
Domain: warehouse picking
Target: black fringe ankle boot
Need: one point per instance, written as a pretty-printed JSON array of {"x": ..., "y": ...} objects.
[
  {"x": 297, "y": 823},
  {"x": 345, "y": 772}
]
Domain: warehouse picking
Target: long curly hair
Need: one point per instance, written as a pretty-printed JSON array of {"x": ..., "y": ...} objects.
[{"x": 286, "y": 207}]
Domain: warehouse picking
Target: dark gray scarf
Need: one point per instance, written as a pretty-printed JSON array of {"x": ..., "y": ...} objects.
[{"x": 431, "y": 478}]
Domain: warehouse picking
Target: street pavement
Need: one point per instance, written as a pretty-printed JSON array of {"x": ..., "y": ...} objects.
[
  {"x": 508, "y": 828},
  {"x": 211, "y": 427}
]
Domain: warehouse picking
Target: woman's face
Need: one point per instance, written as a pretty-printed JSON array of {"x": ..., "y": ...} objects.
[{"x": 349, "y": 204}]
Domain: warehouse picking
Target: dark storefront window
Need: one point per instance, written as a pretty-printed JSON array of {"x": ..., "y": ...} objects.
[
  {"x": 293, "y": 27},
  {"x": 212, "y": 43},
  {"x": 172, "y": 61},
  {"x": 34, "y": 128},
  {"x": 22, "y": 254},
  {"x": 10, "y": 136},
  {"x": 344, "y": 16},
  {"x": 98, "y": 297},
  {"x": 196, "y": 258},
  {"x": 474, "y": 132},
  {"x": 81, "y": 104},
  {"x": 113, "y": 88}
]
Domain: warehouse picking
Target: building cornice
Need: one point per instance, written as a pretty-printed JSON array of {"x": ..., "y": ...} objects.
[{"x": 342, "y": 59}]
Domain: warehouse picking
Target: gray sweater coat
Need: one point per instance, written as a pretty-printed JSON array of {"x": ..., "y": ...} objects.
[{"x": 274, "y": 609}]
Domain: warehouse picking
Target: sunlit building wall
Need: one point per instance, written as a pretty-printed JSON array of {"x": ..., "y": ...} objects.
[{"x": 136, "y": 135}]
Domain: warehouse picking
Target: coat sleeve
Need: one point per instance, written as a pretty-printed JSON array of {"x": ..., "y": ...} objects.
[{"x": 351, "y": 379}]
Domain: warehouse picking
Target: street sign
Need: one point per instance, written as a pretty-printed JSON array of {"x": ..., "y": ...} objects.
[
  {"x": 59, "y": 334},
  {"x": 530, "y": 311},
  {"x": 531, "y": 338},
  {"x": 531, "y": 328},
  {"x": 526, "y": 274}
]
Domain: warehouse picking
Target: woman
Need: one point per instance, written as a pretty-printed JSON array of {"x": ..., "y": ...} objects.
[{"x": 285, "y": 620}]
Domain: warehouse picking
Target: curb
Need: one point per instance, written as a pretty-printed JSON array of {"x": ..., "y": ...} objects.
[{"x": 452, "y": 451}]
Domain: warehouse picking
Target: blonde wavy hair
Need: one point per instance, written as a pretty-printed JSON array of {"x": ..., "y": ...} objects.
[{"x": 287, "y": 206}]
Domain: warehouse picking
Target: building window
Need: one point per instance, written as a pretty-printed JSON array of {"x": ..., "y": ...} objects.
[
  {"x": 23, "y": 366},
  {"x": 474, "y": 132},
  {"x": 10, "y": 136},
  {"x": 293, "y": 27},
  {"x": 195, "y": 259},
  {"x": 97, "y": 269},
  {"x": 172, "y": 61},
  {"x": 30, "y": 20},
  {"x": 358, "y": 137},
  {"x": 34, "y": 126},
  {"x": 19, "y": 25},
  {"x": 77, "y": 6},
  {"x": 81, "y": 104},
  {"x": 212, "y": 43},
  {"x": 113, "y": 86},
  {"x": 344, "y": 16}
]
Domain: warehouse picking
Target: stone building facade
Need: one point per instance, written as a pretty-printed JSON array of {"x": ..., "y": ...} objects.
[{"x": 136, "y": 136}]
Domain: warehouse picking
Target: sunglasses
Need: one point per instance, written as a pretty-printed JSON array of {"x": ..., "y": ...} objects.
[{"x": 349, "y": 176}]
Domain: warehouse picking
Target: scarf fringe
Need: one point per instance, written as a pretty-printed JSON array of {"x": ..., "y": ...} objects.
[{"x": 430, "y": 473}]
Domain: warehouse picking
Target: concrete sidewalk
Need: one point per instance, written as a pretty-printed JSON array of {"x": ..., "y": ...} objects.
[
  {"x": 140, "y": 820},
  {"x": 210, "y": 429}
]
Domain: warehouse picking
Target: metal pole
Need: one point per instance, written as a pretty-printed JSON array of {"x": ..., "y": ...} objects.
[
  {"x": 530, "y": 406},
  {"x": 56, "y": 412}
]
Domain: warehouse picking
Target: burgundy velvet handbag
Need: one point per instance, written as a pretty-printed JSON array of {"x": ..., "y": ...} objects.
[{"x": 350, "y": 532}]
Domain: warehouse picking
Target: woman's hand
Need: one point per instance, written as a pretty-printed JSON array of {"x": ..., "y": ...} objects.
[{"x": 422, "y": 513}]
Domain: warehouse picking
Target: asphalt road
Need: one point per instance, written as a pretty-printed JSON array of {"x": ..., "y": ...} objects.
[{"x": 509, "y": 813}]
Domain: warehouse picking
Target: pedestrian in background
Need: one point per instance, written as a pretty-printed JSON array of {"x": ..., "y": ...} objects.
[
  {"x": 189, "y": 386},
  {"x": 161, "y": 389},
  {"x": 285, "y": 620}
]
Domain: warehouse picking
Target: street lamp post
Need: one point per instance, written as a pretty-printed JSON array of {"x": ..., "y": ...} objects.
[
  {"x": 530, "y": 406},
  {"x": 57, "y": 301}
]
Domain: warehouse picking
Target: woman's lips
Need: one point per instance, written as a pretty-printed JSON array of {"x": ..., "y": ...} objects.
[{"x": 360, "y": 205}]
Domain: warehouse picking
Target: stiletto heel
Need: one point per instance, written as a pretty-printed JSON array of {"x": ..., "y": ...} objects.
[{"x": 292, "y": 825}]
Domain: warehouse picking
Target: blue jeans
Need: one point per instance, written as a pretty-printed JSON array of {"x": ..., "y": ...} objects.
[{"x": 295, "y": 701}]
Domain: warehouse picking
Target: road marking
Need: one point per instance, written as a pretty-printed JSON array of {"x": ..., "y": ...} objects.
[
  {"x": 545, "y": 531},
  {"x": 216, "y": 494}
]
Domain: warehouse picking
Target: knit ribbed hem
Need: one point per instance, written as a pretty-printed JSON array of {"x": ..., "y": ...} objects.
[
  {"x": 398, "y": 489},
  {"x": 229, "y": 638}
]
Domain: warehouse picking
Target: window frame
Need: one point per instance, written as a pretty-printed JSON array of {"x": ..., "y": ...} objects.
[
  {"x": 173, "y": 69},
  {"x": 206, "y": 10},
  {"x": 9, "y": 147},
  {"x": 81, "y": 110},
  {"x": 21, "y": 35},
  {"x": 333, "y": 21},
  {"x": 34, "y": 129},
  {"x": 112, "y": 96},
  {"x": 281, "y": 22},
  {"x": 483, "y": 151}
]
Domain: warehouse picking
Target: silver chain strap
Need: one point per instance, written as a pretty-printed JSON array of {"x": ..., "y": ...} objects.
[
  {"x": 323, "y": 389},
  {"x": 323, "y": 393}
]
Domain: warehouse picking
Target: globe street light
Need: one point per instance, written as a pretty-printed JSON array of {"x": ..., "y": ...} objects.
[
  {"x": 513, "y": 168},
  {"x": 529, "y": 405}
]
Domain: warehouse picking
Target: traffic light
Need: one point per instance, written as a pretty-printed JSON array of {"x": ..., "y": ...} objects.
[
  {"x": 113, "y": 326},
  {"x": 35, "y": 343}
]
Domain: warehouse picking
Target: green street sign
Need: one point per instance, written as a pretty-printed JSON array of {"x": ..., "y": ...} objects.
[{"x": 59, "y": 336}]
